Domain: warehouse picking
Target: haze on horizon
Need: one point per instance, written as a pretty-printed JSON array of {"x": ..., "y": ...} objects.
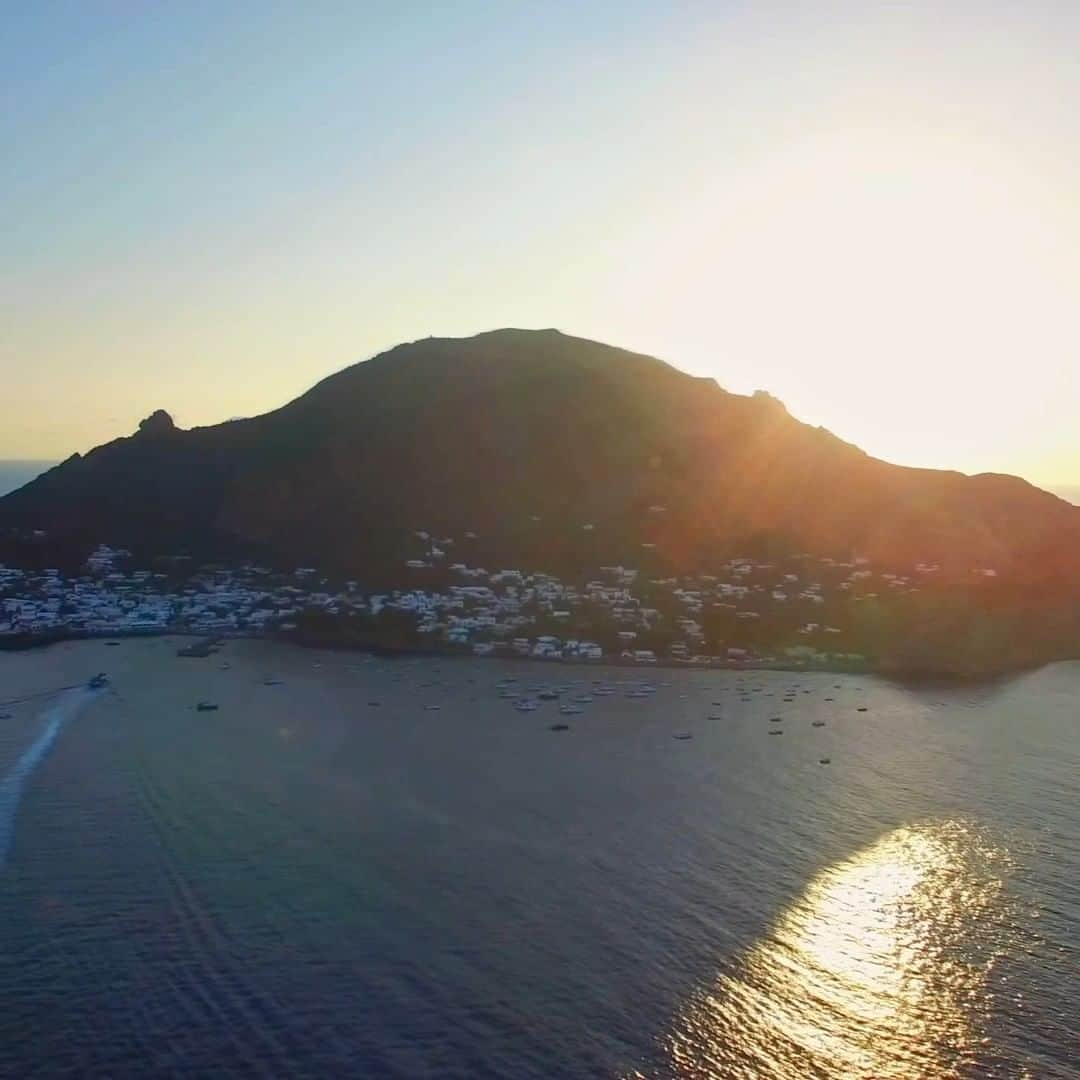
[{"x": 867, "y": 209}]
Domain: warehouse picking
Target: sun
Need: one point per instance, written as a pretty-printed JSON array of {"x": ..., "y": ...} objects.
[{"x": 910, "y": 290}]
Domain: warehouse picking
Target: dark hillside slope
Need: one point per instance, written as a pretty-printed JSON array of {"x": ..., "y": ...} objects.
[{"x": 526, "y": 437}]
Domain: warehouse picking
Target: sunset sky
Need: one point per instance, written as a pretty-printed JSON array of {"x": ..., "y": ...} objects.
[{"x": 869, "y": 209}]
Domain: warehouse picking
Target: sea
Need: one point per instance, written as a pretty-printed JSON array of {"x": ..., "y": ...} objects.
[
  {"x": 13, "y": 474},
  {"x": 360, "y": 867}
]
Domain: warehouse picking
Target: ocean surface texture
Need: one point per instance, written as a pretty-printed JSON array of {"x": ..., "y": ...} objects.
[{"x": 380, "y": 868}]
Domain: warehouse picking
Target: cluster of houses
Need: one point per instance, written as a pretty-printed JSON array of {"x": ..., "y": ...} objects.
[
  {"x": 617, "y": 613},
  {"x": 108, "y": 599}
]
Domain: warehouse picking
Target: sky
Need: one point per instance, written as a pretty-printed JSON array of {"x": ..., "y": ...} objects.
[{"x": 871, "y": 210}]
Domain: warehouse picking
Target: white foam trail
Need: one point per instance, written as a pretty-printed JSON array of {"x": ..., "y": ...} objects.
[{"x": 11, "y": 787}]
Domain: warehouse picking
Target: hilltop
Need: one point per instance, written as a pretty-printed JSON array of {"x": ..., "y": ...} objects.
[{"x": 547, "y": 451}]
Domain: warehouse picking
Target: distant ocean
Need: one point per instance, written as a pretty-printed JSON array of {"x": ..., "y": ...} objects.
[{"x": 13, "y": 474}]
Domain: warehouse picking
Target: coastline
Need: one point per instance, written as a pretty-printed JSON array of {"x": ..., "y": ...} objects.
[{"x": 943, "y": 674}]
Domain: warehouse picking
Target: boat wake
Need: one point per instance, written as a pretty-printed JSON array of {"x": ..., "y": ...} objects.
[{"x": 65, "y": 708}]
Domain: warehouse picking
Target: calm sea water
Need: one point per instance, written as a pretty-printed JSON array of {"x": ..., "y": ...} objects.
[{"x": 306, "y": 884}]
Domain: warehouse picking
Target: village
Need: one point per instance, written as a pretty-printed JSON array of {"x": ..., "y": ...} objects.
[{"x": 802, "y": 611}]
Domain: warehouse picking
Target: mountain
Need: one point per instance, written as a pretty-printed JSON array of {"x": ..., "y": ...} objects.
[{"x": 524, "y": 438}]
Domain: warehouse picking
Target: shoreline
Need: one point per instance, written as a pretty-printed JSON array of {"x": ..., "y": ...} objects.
[{"x": 901, "y": 675}]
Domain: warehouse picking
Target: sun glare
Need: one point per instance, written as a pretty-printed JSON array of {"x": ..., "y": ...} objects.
[
  {"x": 879, "y": 969},
  {"x": 892, "y": 288}
]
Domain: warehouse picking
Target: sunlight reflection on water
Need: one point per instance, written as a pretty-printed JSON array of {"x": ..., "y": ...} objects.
[{"x": 880, "y": 969}]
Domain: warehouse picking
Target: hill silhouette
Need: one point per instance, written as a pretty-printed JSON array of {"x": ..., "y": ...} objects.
[{"x": 554, "y": 451}]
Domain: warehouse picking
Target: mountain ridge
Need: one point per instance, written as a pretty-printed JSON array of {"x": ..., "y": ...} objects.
[{"x": 487, "y": 433}]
